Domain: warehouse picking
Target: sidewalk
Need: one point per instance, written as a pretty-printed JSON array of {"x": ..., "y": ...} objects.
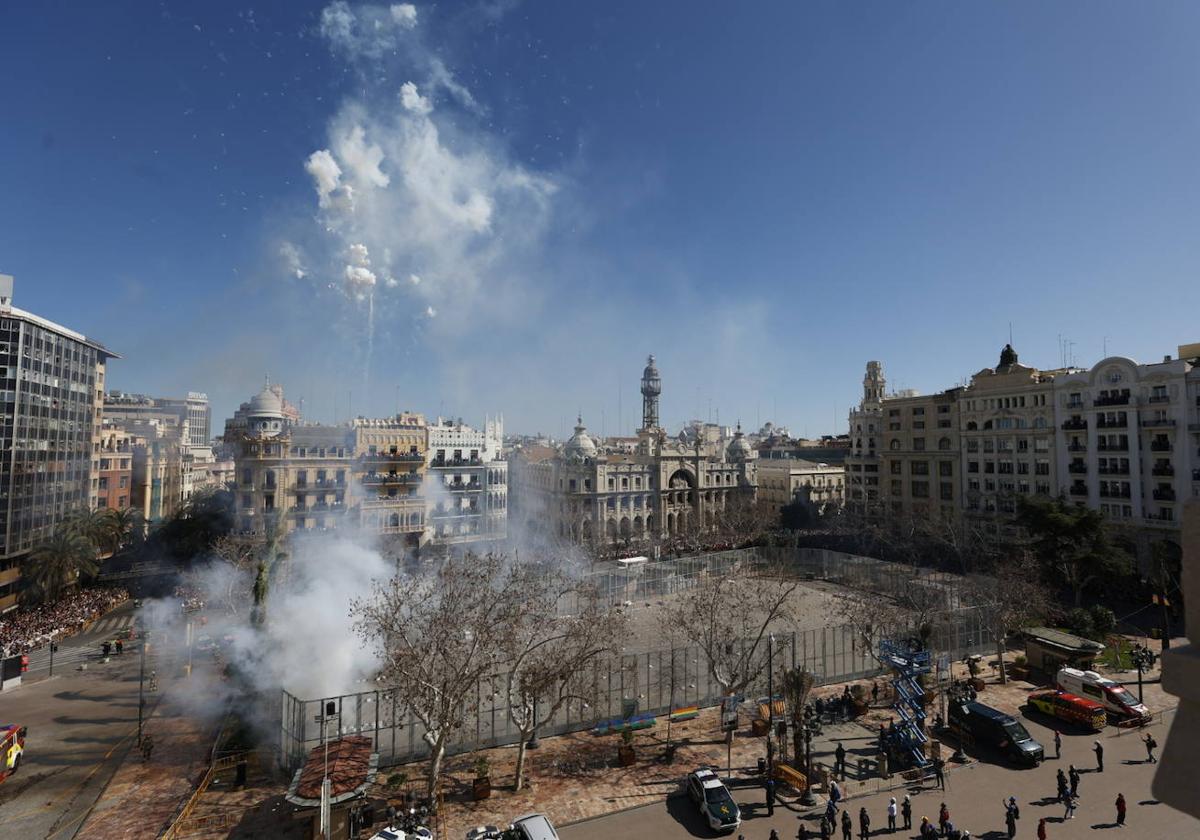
[{"x": 143, "y": 796}]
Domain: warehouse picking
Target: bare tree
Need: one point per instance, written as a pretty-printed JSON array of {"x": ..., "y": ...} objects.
[
  {"x": 239, "y": 554},
  {"x": 872, "y": 618},
  {"x": 1011, "y": 599},
  {"x": 744, "y": 519},
  {"x": 728, "y": 618},
  {"x": 438, "y": 636},
  {"x": 550, "y": 657}
]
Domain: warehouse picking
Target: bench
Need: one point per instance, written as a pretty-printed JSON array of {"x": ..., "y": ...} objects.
[
  {"x": 633, "y": 724},
  {"x": 685, "y": 713},
  {"x": 791, "y": 777}
]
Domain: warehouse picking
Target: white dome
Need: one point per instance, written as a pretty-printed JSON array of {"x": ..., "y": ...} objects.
[
  {"x": 266, "y": 403},
  {"x": 739, "y": 448},
  {"x": 580, "y": 446}
]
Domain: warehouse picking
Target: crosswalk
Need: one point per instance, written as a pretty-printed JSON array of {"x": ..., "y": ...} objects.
[{"x": 83, "y": 648}]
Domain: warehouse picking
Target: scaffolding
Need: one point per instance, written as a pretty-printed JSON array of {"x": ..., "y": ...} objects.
[{"x": 905, "y": 742}]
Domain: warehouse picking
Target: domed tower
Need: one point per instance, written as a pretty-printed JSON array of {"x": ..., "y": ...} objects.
[
  {"x": 265, "y": 417},
  {"x": 651, "y": 388},
  {"x": 873, "y": 385},
  {"x": 739, "y": 450},
  {"x": 1008, "y": 358},
  {"x": 580, "y": 446}
]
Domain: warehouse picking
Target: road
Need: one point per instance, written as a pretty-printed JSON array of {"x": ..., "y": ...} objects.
[
  {"x": 81, "y": 723},
  {"x": 974, "y": 800},
  {"x": 85, "y": 647}
]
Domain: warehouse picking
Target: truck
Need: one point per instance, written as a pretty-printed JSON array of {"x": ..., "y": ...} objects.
[
  {"x": 12, "y": 746},
  {"x": 977, "y": 725}
]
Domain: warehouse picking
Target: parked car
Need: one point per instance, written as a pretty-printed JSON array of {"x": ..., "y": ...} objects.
[
  {"x": 1117, "y": 699},
  {"x": 485, "y": 832},
  {"x": 393, "y": 833},
  {"x": 976, "y": 724},
  {"x": 1066, "y": 706},
  {"x": 713, "y": 799},
  {"x": 534, "y": 827}
]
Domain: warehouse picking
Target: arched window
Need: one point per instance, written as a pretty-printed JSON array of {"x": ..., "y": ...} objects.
[
  {"x": 944, "y": 443},
  {"x": 895, "y": 444},
  {"x": 987, "y": 424},
  {"x": 972, "y": 426}
]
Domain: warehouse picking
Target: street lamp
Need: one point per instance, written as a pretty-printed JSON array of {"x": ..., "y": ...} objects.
[{"x": 812, "y": 726}]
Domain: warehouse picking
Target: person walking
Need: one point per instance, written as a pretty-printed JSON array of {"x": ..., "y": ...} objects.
[
  {"x": 891, "y": 814},
  {"x": 1069, "y": 812},
  {"x": 864, "y": 824},
  {"x": 1073, "y": 775},
  {"x": 120, "y": 647},
  {"x": 847, "y": 826},
  {"x": 826, "y": 828},
  {"x": 835, "y": 795},
  {"x": 906, "y": 812},
  {"x": 874, "y": 692},
  {"x": 939, "y": 772},
  {"x": 769, "y": 785},
  {"x": 839, "y": 760},
  {"x": 147, "y": 747},
  {"x": 1098, "y": 749},
  {"x": 1121, "y": 809},
  {"x": 1041, "y": 835},
  {"x": 1062, "y": 785},
  {"x": 1012, "y": 813},
  {"x": 1150, "y": 745},
  {"x": 1057, "y": 744},
  {"x": 943, "y": 819}
]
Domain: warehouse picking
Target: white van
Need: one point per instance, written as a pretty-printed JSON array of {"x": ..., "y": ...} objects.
[{"x": 1117, "y": 700}]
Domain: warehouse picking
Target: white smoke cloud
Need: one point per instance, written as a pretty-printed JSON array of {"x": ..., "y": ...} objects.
[
  {"x": 325, "y": 173},
  {"x": 433, "y": 194},
  {"x": 292, "y": 260},
  {"x": 405, "y": 15},
  {"x": 412, "y": 100}
]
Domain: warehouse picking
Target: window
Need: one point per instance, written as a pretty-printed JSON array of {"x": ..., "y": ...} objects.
[
  {"x": 944, "y": 444},
  {"x": 919, "y": 444},
  {"x": 972, "y": 466},
  {"x": 896, "y": 467},
  {"x": 920, "y": 489},
  {"x": 920, "y": 468},
  {"x": 103, "y": 483},
  {"x": 895, "y": 445},
  {"x": 947, "y": 491},
  {"x": 945, "y": 468}
]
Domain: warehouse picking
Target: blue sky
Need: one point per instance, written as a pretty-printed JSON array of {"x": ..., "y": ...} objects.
[{"x": 763, "y": 195}]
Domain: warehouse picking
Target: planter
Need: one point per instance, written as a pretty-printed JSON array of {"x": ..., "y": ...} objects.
[
  {"x": 481, "y": 789},
  {"x": 759, "y": 727},
  {"x": 626, "y": 756}
]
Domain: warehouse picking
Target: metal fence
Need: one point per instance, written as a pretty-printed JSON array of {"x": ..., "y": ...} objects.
[{"x": 653, "y": 681}]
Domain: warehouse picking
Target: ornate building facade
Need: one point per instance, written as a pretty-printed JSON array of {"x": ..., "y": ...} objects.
[{"x": 661, "y": 489}]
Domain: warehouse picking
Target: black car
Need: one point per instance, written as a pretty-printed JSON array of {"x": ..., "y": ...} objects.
[{"x": 978, "y": 725}]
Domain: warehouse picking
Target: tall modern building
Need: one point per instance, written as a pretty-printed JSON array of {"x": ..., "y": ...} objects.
[
  {"x": 191, "y": 413},
  {"x": 52, "y": 399}
]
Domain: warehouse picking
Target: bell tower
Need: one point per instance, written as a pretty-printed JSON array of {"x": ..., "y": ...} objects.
[
  {"x": 873, "y": 385},
  {"x": 651, "y": 388}
]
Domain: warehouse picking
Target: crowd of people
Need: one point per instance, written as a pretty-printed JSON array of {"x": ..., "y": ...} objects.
[
  {"x": 30, "y": 628},
  {"x": 191, "y": 598}
]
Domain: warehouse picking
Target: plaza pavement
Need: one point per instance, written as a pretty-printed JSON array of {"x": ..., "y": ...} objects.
[{"x": 974, "y": 797}]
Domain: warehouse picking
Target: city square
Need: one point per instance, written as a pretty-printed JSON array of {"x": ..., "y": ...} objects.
[{"x": 519, "y": 420}]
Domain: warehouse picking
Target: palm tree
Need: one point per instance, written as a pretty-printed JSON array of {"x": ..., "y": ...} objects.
[
  {"x": 57, "y": 563},
  {"x": 126, "y": 523},
  {"x": 98, "y": 527}
]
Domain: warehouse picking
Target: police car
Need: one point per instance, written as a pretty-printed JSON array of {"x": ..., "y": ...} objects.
[{"x": 713, "y": 800}]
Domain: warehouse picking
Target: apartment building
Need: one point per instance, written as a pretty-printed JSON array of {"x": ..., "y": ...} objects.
[
  {"x": 1128, "y": 438},
  {"x": 467, "y": 482},
  {"x": 51, "y": 398},
  {"x": 1007, "y": 421},
  {"x": 919, "y": 459},
  {"x": 116, "y": 469},
  {"x": 782, "y": 480}
]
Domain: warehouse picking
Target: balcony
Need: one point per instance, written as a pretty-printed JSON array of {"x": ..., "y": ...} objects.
[
  {"x": 1075, "y": 424},
  {"x": 1163, "y": 518},
  {"x": 1105, "y": 423},
  {"x": 1166, "y": 470},
  {"x": 1160, "y": 446},
  {"x": 1118, "y": 470},
  {"x": 1077, "y": 447},
  {"x": 1077, "y": 467},
  {"x": 385, "y": 457},
  {"x": 1119, "y": 399},
  {"x": 1113, "y": 447},
  {"x": 1164, "y": 494},
  {"x": 457, "y": 462},
  {"x": 376, "y": 479},
  {"x": 1158, "y": 398},
  {"x": 329, "y": 482},
  {"x": 1158, "y": 423},
  {"x": 1078, "y": 490},
  {"x": 461, "y": 486}
]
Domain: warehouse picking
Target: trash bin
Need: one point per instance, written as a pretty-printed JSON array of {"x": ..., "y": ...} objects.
[{"x": 762, "y": 766}]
